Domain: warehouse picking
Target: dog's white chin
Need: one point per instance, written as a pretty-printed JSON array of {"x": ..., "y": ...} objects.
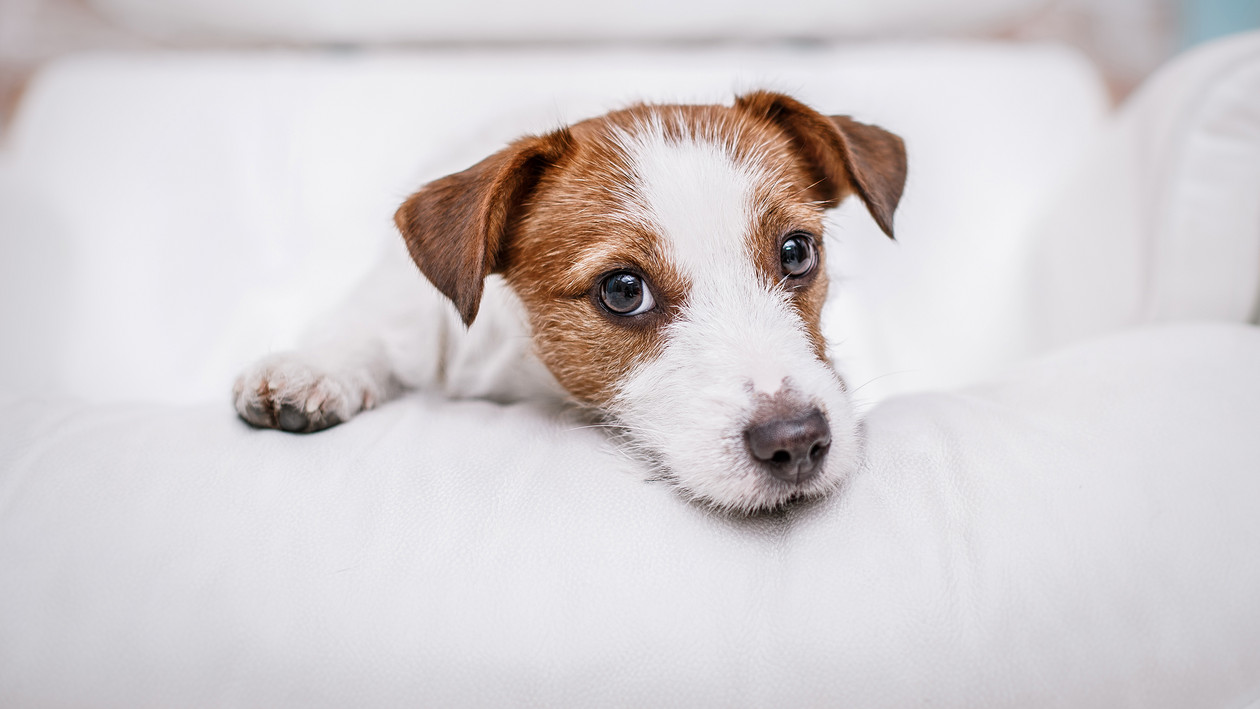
[{"x": 687, "y": 410}]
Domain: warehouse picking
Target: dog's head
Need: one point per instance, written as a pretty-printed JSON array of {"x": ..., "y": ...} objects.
[{"x": 671, "y": 261}]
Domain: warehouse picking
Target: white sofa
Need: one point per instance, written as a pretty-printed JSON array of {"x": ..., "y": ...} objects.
[{"x": 1060, "y": 506}]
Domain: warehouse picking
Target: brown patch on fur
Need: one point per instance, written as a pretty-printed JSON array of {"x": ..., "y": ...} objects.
[
  {"x": 556, "y": 213},
  {"x": 454, "y": 227},
  {"x": 573, "y": 234},
  {"x": 785, "y": 212},
  {"x": 576, "y": 230},
  {"x": 844, "y": 155}
]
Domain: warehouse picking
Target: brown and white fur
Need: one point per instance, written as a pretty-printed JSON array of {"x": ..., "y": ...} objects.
[{"x": 722, "y": 373}]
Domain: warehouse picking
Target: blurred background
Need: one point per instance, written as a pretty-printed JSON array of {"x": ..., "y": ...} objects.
[
  {"x": 1127, "y": 39},
  {"x": 188, "y": 184}
]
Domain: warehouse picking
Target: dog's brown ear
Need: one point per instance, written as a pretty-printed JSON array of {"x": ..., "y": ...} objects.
[
  {"x": 456, "y": 227},
  {"x": 844, "y": 155}
]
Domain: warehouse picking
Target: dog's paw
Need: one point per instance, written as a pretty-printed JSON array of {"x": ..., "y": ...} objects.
[{"x": 289, "y": 394}]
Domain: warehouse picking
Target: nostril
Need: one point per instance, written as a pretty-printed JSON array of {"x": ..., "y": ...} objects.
[{"x": 790, "y": 447}]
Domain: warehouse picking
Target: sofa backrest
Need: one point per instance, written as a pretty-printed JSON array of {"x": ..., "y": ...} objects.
[
  {"x": 1160, "y": 221},
  {"x": 168, "y": 218},
  {"x": 394, "y": 21}
]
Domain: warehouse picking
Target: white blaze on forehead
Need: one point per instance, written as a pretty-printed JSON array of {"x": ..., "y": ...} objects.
[
  {"x": 697, "y": 197},
  {"x": 689, "y": 405},
  {"x": 702, "y": 201}
]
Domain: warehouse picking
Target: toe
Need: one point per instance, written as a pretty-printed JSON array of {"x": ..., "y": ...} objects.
[
  {"x": 257, "y": 414},
  {"x": 292, "y": 418}
]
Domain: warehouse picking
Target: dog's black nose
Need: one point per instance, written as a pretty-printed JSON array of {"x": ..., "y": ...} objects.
[{"x": 792, "y": 448}]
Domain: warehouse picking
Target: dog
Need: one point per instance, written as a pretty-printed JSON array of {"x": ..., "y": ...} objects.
[{"x": 660, "y": 265}]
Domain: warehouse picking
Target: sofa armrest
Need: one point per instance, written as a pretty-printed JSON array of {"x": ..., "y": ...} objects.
[{"x": 1162, "y": 220}]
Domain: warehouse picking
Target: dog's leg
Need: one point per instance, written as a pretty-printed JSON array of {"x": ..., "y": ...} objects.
[{"x": 396, "y": 332}]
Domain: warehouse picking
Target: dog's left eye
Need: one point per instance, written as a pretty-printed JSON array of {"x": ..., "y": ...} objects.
[
  {"x": 624, "y": 293},
  {"x": 797, "y": 255}
]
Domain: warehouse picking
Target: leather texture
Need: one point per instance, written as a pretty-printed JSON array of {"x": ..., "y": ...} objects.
[
  {"x": 1079, "y": 533},
  {"x": 1160, "y": 221},
  {"x": 1075, "y": 531}
]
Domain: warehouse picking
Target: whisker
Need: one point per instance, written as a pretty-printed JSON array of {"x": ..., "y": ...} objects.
[{"x": 882, "y": 376}]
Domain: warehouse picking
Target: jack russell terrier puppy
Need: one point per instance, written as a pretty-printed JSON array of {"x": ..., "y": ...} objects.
[{"x": 662, "y": 265}]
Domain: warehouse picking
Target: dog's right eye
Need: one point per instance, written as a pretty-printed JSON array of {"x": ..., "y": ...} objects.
[
  {"x": 624, "y": 293},
  {"x": 797, "y": 255}
]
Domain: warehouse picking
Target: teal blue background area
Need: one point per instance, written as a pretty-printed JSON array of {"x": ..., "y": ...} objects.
[{"x": 1202, "y": 20}]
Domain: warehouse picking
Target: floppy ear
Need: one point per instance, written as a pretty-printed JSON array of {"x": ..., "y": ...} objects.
[
  {"x": 844, "y": 155},
  {"x": 456, "y": 227}
]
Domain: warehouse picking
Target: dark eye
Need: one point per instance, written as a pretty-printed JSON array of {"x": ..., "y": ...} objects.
[
  {"x": 797, "y": 255},
  {"x": 624, "y": 293}
]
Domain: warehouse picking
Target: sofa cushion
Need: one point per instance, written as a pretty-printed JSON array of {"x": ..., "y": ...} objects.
[{"x": 1081, "y": 532}]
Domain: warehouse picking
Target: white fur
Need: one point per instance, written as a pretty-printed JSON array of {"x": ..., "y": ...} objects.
[
  {"x": 737, "y": 335},
  {"x": 398, "y": 332}
]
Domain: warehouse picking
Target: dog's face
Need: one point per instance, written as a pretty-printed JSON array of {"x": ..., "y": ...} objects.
[{"x": 671, "y": 261}]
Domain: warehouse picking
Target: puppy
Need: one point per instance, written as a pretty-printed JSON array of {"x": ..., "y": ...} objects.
[{"x": 662, "y": 264}]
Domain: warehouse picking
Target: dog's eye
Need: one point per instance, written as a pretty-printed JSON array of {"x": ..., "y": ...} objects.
[
  {"x": 797, "y": 255},
  {"x": 624, "y": 293}
]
